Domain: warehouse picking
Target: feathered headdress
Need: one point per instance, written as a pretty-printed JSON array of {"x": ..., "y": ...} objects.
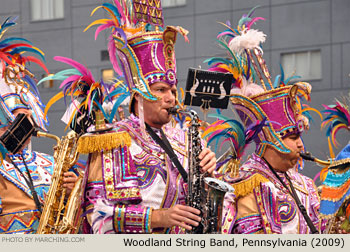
[
  {"x": 337, "y": 117},
  {"x": 233, "y": 132},
  {"x": 17, "y": 85},
  {"x": 14, "y": 53},
  {"x": 145, "y": 56},
  {"x": 86, "y": 107},
  {"x": 86, "y": 95},
  {"x": 335, "y": 192},
  {"x": 254, "y": 95}
]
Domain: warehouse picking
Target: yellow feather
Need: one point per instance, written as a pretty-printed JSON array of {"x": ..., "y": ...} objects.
[
  {"x": 112, "y": 15},
  {"x": 333, "y": 134},
  {"x": 304, "y": 94},
  {"x": 118, "y": 83},
  {"x": 313, "y": 109},
  {"x": 34, "y": 47},
  {"x": 182, "y": 93},
  {"x": 323, "y": 173},
  {"x": 227, "y": 26},
  {"x": 99, "y": 21},
  {"x": 133, "y": 30},
  {"x": 52, "y": 101},
  {"x": 94, "y": 86},
  {"x": 331, "y": 152},
  {"x": 212, "y": 129},
  {"x": 94, "y": 10}
]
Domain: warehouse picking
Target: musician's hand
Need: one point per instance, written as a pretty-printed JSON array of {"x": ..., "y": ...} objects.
[
  {"x": 208, "y": 160},
  {"x": 178, "y": 215},
  {"x": 69, "y": 179}
]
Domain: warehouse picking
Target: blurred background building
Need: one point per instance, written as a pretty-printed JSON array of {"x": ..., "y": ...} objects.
[{"x": 310, "y": 38}]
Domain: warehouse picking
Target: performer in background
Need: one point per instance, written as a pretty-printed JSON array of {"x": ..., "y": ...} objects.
[
  {"x": 25, "y": 176},
  {"x": 335, "y": 189},
  {"x": 270, "y": 196},
  {"x": 137, "y": 188}
]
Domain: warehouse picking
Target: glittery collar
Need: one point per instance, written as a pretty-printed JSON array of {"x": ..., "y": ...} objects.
[
  {"x": 177, "y": 138},
  {"x": 260, "y": 166}
]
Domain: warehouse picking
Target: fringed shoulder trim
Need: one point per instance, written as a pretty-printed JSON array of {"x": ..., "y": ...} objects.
[
  {"x": 107, "y": 141},
  {"x": 246, "y": 186}
]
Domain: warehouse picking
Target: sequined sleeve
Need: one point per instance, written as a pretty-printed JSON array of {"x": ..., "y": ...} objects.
[
  {"x": 109, "y": 218},
  {"x": 113, "y": 194}
]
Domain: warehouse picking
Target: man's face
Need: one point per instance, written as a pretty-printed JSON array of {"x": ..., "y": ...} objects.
[
  {"x": 156, "y": 113},
  {"x": 294, "y": 143}
]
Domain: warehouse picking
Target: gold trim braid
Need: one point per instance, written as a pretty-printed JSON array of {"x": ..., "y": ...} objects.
[
  {"x": 245, "y": 187},
  {"x": 97, "y": 142}
]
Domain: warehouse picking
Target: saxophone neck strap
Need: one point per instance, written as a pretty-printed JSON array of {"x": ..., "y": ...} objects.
[
  {"x": 29, "y": 182},
  {"x": 293, "y": 193},
  {"x": 165, "y": 145}
]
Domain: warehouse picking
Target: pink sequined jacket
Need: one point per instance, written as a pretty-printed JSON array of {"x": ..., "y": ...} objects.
[
  {"x": 260, "y": 203},
  {"x": 125, "y": 184}
]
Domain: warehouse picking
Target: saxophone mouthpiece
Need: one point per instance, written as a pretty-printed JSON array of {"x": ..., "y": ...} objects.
[
  {"x": 173, "y": 110},
  {"x": 307, "y": 156}
]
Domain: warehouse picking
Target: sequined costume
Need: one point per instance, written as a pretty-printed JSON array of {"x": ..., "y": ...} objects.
[
  {"x": 18, "y": 211},
  {"x": 270, "y": 111},
  {"x": 135, "y": 179},
  {"x": 130, "y": 175},
  {"x": 262, "y": 205},
  {"x": 335, "y": 193}
]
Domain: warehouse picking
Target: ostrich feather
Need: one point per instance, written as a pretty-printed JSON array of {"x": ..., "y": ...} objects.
[
  {"x": 337, "y": 117},
  {"x": 112, "y": 51},
  {"x": 249, "y": 39}
]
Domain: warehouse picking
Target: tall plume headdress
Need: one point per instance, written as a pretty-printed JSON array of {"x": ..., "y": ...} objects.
[
  {"x": 335, "y": 193},
  {"x": 17, "y": 84},
  {"x": 254, "y": 95},
  {"x": 337, "y": 116},
  {"x": 145, "y": 56},
  {"x": 233, "y": 132},
  {"x": 85, "y": 94},
  {"x": 86, "y": 112}
]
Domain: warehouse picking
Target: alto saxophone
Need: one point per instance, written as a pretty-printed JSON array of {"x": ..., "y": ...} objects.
[
  {"x": 60, "y": 216},
  {"x": 204, "y": 193}
]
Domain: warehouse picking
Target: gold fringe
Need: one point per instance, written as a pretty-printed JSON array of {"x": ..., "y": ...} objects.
[
  {"x": 93, "y": 143},
  {"x": 245, "y": 187}
]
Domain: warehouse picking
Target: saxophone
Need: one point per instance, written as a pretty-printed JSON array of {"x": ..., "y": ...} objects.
[
  {"x": 58, "y": 216},
  {"x": 204, "y": 193}
]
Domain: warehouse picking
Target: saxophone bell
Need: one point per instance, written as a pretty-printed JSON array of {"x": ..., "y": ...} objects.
[{"x": 215, "y": 193}]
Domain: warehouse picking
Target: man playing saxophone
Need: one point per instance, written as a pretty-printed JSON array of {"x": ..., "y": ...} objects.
[
  {"x": 137, "y": 188},
  {"x": 271, "y": 196},
  {"x": 25, "y": 175}
]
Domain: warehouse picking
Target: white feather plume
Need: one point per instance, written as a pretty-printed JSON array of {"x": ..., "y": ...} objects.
[
  {"x": 248, "y": 89},
  {"x": 250, "y": 39}
]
